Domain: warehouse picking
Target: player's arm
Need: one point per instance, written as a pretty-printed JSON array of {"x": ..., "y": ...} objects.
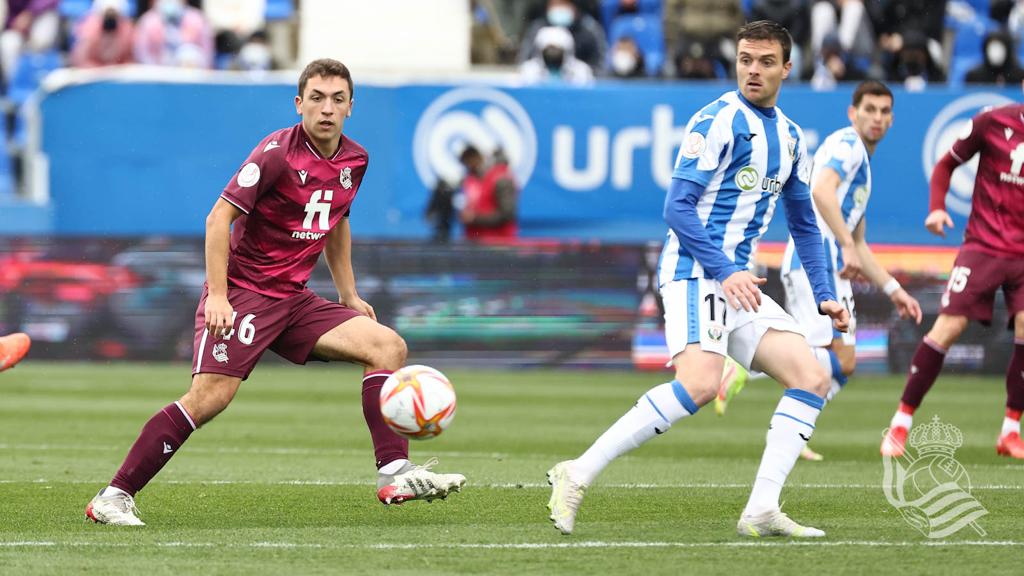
[
  {"x": 218, "y": 240},
  {"x": 338, "y": 254},
  {"x": 796, "y": 198},
  {"x": 969, "y": 143},
  {"x": 824, "y": 194},
  {"x": 906, "y": 305},
  {"x": 739, "y": 285}
]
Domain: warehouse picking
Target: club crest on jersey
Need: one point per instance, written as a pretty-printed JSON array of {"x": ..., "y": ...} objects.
[
  {"x": 346, "y": 177},
  {"x": 791, "y": 146},
  {"x": 715, "y": 333},
  {"x": 220, "y": 352}
]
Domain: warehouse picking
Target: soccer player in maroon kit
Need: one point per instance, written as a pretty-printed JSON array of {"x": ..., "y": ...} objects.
[
  {"x": 289, "y": 202},
  {"x": 991, "y": 257}
]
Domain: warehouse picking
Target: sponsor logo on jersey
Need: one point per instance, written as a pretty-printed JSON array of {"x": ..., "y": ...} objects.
[
  {"x": 308, "y": 235},
  {"x": 249, "y": 175},
  {"x": 746, "y": 178},
  {"x": 346, "y": 178},
  {"x": 302, "y": 175},
  {"x": 271, "y": 145}
]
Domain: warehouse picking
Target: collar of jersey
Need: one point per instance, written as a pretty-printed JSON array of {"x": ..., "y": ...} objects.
[
  {"x": 766, "y": 112},
  {"x": 312, "y": 147}
]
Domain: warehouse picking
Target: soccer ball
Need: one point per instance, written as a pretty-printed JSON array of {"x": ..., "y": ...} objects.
[{"x": 417, "y": 402}]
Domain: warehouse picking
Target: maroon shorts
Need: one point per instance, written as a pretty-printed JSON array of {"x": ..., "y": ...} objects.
[
  {"x": 289, "y": 326},
  {"x": 973, "y": 283}
]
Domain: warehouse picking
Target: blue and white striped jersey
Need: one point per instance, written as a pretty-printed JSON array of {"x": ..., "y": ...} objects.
[
  {"x": 844, "y": 152},
  {"x": 742, "y": 156}
]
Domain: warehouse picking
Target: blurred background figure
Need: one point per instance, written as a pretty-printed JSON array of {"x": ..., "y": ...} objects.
[
  {"x": 711, "y": 22},
  {"x": 488, "y": 42},
  {"x": 440, "y": 211},
  {"x": 31, "y": 25},
  {"x": 237, "y": 24},
  {"x": 104, "y": 37},
  {"x": 587, "y": 34},
  {"x": 489, "y": 210},
  {"x": 999, "y": 64},
  {"x": 255, "y": 55},
  {"x": 919, "y": 23},
  {"x": 849, "y": 20},
  {"x": 696, "y": 60},
  {"x": 913, "y": 65},
  {"x": 171, "y": 33},
  {"x": 555, "y": 60},
  {"x": 625, "y": 59},
  {"x": 834, "y": 65}
]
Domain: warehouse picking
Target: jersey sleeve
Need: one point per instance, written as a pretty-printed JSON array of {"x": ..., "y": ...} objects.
[
  {"x": 704, "y": 146},
  {"x": 843, "y": 160},
  {"x": 257, "y": 174},
  {"x": 801, "y": 171},
  {"x": 971, "y": 138}
]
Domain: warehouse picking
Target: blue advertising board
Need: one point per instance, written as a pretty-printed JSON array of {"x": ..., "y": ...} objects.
[{"x": 147, "y": 157}]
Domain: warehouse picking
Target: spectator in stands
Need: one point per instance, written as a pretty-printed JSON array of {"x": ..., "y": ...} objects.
[
  {"x": 626, "y": 60},
  {"x": 587, "y": 34},
  {"x": 1000, "y": 62},
  {"x": 440, "y": 211},
  {"x": 894, "y": 20},
  {"x": 488, "y": 43},
  {"x": 34, "y": 23},
  {"x": 834, "y": 65},
  {"x": 695, "y": 61},
  {"x": 850, "y": 20},
  {"x": 255, "y": 55},
  {"x": 793, "y": 15},
  {"x": 555, "y": 60},
  {"x": 104, "y": 36},
  {"x": 706, "y": 21},
  {"x": 172, "y": 33},
  {"x": 233, "y": 22},
  {"x": 489, "y": 197},
  {"x": 913, "y": 64}
]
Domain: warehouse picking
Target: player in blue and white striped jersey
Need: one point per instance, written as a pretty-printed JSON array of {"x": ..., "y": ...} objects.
[{"x": 740, "y": 154}]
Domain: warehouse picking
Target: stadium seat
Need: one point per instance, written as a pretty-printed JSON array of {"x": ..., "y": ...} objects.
[
  {"x": 646, "y": 31},
  {"x": 279, "y": 9},
  {"x": 73, "y": 10},
  {"x": 30, "y": 70},
  {"x": 609, "y": 9}
]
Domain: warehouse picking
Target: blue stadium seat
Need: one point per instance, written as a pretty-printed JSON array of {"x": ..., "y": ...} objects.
[
  {"x": 29, "y": 72},
  {"x": 279, "y": 9},
  {"x": 73, "y": 10},
  {"x": 646, "y": 31}
]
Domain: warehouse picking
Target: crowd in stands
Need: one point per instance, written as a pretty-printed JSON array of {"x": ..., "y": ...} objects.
[{"x": 915, "y": 43}]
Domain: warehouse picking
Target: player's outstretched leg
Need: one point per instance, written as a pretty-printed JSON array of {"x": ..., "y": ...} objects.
[
  {"x": 1010, "y": 443},
  {"x": 13, "y": 348},
  {"x": 653, "y": 414},
  {"x": 734, "y": 378},
  {"x": 159, "y": 440},
  {"x": 924, "y": 369}
]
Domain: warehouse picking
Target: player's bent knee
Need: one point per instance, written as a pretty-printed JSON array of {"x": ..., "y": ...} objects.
[
  {"x": 208, "y": 396},
  {"x": 947, "y": 330}
]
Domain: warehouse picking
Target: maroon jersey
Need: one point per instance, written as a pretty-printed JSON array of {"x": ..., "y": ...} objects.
[
  {"x": 292, "y": 197},
  {"x": 996, "y": 223}
]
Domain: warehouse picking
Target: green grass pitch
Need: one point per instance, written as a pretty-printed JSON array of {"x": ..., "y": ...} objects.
[{"x": 283, "y": 481}]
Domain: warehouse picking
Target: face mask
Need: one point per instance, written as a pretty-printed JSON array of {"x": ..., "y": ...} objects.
[
  {"x": 109, "y": 22},
  {"x": 553, "y": 58},
  {"x": 623, "y": 62},
  {"x": 255, "y": 56},
  {"x": 561, "y": 16},
  {"x": 995, "y": 53},
  {"x": 171, "y": 9}
]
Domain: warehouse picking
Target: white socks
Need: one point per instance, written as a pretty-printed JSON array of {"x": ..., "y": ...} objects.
[
  {"x": 903, "y": 419},
  {"x": 1010, "y": 425},
  {"x": 790, "y": 428},
  {"x": 393, "y": 466},
  {"x": 653, "y": 414}
]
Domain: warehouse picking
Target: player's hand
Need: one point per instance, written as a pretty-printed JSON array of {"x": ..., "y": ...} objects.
[
  {"x": 742, "y": 290},
  {"x": 840, "y": 315},
  {"x": 906, "y": 305},
  {"x": 218, "y": 314},
  {"x": 851, "y": 263},
  {"x": 936, "y": 221},
  {"x": 359, "y": 305}
]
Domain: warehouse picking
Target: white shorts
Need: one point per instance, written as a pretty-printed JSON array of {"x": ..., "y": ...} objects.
[
  {"x": 696, "y": 312},
  {"x": 801, "y": 304}
]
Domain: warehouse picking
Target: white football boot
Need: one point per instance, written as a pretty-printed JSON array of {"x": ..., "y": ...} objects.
[
  {"x": 117, "y": 509},
  {"x": 566, "y": 497},
  {"x": 414, "y": 482},
  {"x": 774, "y": 523}
]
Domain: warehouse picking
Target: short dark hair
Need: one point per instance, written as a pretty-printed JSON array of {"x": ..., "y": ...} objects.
[
  {"x": 325, "y": 68},
  {"x": 468, "y": 153},
  {"x": 873, "y": 87},
  {"x": 767, "y": 30}
]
